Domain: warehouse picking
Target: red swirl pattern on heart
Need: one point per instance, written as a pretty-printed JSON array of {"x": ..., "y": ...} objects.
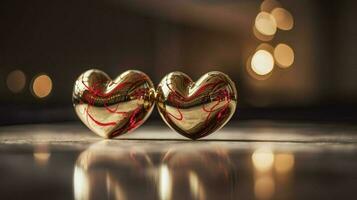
[
  {"x": 113, "y": 107},
  {"x": 196, "y": 109}
]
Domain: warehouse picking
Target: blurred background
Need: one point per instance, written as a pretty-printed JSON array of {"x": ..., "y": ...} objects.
[{"x": 291, "y": 60}]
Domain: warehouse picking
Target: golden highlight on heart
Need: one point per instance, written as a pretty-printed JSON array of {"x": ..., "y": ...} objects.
[
  {"x": 113, "y": 107},
  {"x": 196, "y": 109}
]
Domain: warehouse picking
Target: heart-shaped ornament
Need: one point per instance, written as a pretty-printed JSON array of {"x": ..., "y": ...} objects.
[
  {"x": 196, "y": 109},
  {"x": 113, "y": 107}
]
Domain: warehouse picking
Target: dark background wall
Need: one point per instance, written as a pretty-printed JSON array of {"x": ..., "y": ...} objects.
[{"x": 64, "y": 38}]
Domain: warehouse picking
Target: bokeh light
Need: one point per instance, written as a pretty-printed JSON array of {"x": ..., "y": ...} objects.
[
  {"x": 283, "y": 18},
  {"x": 260, "y": 36},
  {"x": 263, "y": 159},
  {"x": 252, "y": 73},
  {"x": 284, "y": 162},
  {"x": 284, "y": 55},
  {"x": 265, "y": 24},
  {"x": 262, "y": 62},
  {"x": 16, "y": 81},
  {"x": 269, "y": 5},
  {"x": 42, "y": 86}
]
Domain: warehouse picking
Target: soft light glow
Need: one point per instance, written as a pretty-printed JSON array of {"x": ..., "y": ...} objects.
[
  {"x": 263, "y": 159},
  {"x": 284, "y": 163},
  {"x": 269, "y": 5},
  {"x": 80, "y": 183},
  {"x": 283, "y": 18},
  {"x": 265, "y": 23},
  {"x": 194, "y": 184},
  {"x": 264, "y": 187},
  {"x": 284, "y": 55},
  {"x": 262, "y": 62},
  {"x": 41, "y": 154},
  {"x": 165, "y": 184},
  {"x": 260, "y": 36},
  {"x": 42, "y": 86},
  {"x": 16, "y": 81}
]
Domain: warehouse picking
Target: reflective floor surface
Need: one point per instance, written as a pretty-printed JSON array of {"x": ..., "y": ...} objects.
[{"x": 251, "y": 160}]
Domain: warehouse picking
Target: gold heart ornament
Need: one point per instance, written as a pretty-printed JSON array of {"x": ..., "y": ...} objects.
[
  {"x": 113, "y": 107},
  {"x": 196, "y": 109}
]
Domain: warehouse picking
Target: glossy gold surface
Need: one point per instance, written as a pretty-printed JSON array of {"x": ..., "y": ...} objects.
[
  {"x": 196, "y": 109},
  {"x": 113, "y": 107}
]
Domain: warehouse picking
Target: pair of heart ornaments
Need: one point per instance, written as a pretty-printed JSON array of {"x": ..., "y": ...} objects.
[{"x": 114, "y": 107}]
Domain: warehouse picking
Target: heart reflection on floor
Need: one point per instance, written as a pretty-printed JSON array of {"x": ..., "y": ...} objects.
[{"x": 181, "y": 172}]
